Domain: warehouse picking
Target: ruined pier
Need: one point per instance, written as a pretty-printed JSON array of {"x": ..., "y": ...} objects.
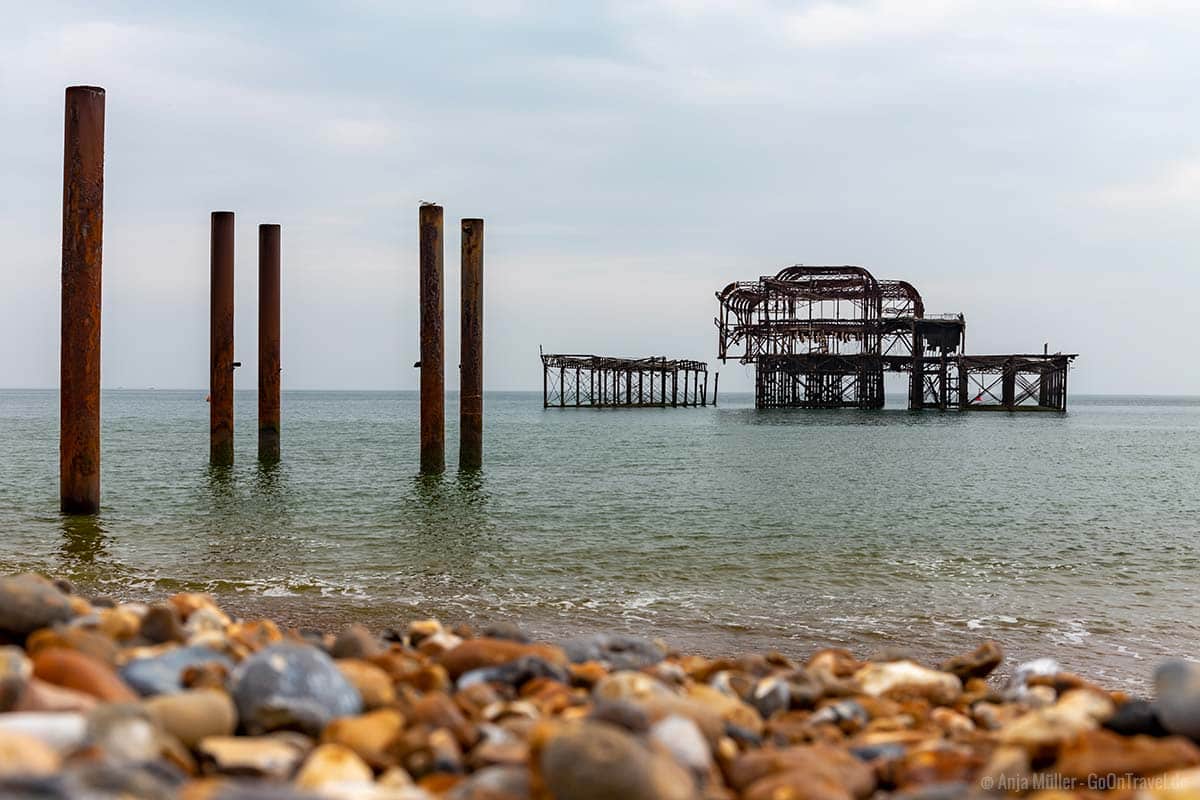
[
  {"x": 823, "y": 337},
  {"x": 577, "y": 381}
]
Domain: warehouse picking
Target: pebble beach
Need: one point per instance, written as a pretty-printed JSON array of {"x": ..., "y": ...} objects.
[{"x": 178, "y": 699}]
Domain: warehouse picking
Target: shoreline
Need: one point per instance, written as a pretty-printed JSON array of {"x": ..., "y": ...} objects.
[
  {"x": 178, "y": 698},
  {"x": 1126, "y": 671}
]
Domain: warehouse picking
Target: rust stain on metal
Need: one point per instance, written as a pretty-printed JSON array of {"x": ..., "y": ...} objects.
[
  {"x": 220, "y": 380},
  {"x": 470, "y": 451},
  {"x": 823, "y": 337},
  {"x": 433, "y": 350},
  {"x": 268, "y": 343},
  {"x": 82, "y": 245}
]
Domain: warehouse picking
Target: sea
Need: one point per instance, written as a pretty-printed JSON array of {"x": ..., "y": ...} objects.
[{"x": 720, "y": 530}]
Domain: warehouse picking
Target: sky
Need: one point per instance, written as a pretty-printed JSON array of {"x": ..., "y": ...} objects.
[{"x": 1033, "y": 164}]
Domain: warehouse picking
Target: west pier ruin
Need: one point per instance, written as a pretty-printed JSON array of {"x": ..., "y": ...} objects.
[{"x": 823, "y": 337}]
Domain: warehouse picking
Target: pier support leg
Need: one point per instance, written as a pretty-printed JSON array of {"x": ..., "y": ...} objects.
[
  {"x": 82, "y": 240},
  {"x": 470, "y": 448},
  {"x": 433, "y": 350},
  {"x": 964, "y": 397},
  {"x": 220, "y": 342},
  {"x": 716, "y": 385},
  {"x": 268, "y": 343},
  {"x": 1008, "y": 386}
]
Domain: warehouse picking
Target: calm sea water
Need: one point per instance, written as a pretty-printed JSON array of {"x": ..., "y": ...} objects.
[{"x": 721, "y": 529}]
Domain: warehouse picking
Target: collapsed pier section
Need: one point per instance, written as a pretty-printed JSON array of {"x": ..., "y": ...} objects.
[{"x": 591, "y": 381}]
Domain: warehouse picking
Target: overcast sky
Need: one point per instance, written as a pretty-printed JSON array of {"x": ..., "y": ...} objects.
[{"x": 1034, "y": 164}]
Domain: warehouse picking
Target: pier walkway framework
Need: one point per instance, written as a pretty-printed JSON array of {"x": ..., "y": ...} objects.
[{"x": 578, "y": 381}]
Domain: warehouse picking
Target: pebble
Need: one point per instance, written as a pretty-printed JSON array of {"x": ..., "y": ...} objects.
[
  {"x": 22, "y": 754},
  {"x": 103, "y": 780},
  {"x": 29, "y": 602},
  {"x": 732, "y": 710},
  {"x": 203, "y": 620},
  {"x": 479, "y": 653},
  {"x": 907, "y": 678},
  {"x": 119, "y": 623},
  {"x": 87, "y": 641},
  {"x": 515, "y": 673},
  {"x": 162, "y": 624},
  {"x": 42, "y": 696},
  {"x": 494, "y": 783},
  {"x": 16, "y": 670},
  {"x": 163, "y": 673},
  {"x": 371, "y": 736},
  {"x": 1102, "y": 752},
  {"x": 799, "y": 771},
  {"x": 1136, "y": 717},
  {"x": 437, "y": 710},
  {"x": 680, "y": 737},
  {"x": 194, "y": 715},
  {"x": 74, "y": 670},
  {"x": 291, "y": 686},
  {"x": 771, "y": 695},
  {"x": 333, "y": 765},
  {"x": 274, "y": 756},
  {"x": 1077, "y": 712},
  {"x": 498, "y": 746},
  {"x": 630, "y": 686},
  {"x": 355, "y": 641},
  {"x": 1018, "y": 683},
  {"x": 124, "y": 732},
  {"x": 373, "y": 684},
  {"x": 509, "y": 631},
  {"x": 977, "y": 664},
  {"x": 593, "y": 761},
  {"x": 614, "y": 651},
  {"x": 62, "y": 731},
  {"x": 1177, "y": 697}
]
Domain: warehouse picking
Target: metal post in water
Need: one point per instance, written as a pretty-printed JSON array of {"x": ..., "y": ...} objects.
[
  {"x": 470, "y": 448},
  {"x": 220, "y": 343},
  {"x": 268, "y": 343},
  {"x": 79, "y": 358},
  {"x": 433, "y": 349}
]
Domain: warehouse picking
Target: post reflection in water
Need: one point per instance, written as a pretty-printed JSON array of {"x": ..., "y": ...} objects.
[
  {"x": 248, "y": 518},
  {"x": 84, "y": 541},
  {"x": 451, "y": 529}
]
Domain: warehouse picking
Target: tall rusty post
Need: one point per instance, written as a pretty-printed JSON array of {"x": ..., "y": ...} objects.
[
  {"x": 79, "y": 359},
  {"x": 433, "y": 347},
  {"x": 470, "y": 448},
  {"x": 220, "y": 342},
  {"x": 268, "y": 343}
]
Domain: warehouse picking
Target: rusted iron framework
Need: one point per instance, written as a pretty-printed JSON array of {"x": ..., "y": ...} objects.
[
  {"x": 823, "y": 337},
  {"x": 579, "y": 381}
]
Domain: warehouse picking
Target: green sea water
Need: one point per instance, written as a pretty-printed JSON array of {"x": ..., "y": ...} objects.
[{"x": 720, "y": 529}]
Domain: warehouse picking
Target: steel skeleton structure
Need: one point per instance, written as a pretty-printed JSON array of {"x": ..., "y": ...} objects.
[
  {"x": 579, "y": 381},
  {"x": 823, "y": 336}
]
